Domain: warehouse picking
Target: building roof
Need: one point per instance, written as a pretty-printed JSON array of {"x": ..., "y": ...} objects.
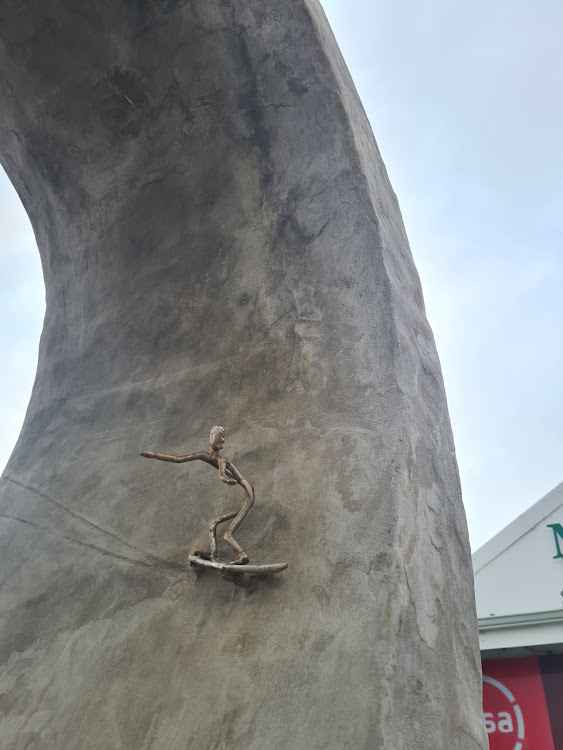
[
  {"x": 517, "y": 528},
  {"x": 519, "y": 579}
]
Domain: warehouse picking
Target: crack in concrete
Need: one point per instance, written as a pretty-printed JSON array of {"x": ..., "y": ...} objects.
[
  {"x": 475, "y": 740},
  {"x": 287, "y": 312},
  {"x": 153, "y": 560},
  {"x": 95, "y": 547},
  {"x": 232, "y": 268},
  {"x": 73, "y": 513}
]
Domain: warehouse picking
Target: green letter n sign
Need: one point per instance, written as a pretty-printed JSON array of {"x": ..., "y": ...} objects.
[{"x": 557, "y": 532}]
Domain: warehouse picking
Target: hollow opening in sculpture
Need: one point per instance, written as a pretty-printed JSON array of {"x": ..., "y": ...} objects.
[{"x": 22, "y": 308}]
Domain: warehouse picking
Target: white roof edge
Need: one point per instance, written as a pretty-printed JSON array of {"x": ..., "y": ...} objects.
[
  {"x": 517, "y": 528},
  {"x": 516, "y": 621}
]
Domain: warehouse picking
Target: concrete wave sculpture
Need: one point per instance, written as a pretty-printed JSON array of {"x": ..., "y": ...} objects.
[{"x": 219, "y": 237}]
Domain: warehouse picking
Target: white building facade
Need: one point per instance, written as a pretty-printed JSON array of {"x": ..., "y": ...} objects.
[{"x": 519, "y": 596}]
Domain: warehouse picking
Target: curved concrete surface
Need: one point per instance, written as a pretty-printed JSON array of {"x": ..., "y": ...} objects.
[{"x": 221, "y": 245}]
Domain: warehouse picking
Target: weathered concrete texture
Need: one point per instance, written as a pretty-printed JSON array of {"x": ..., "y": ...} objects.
[{"x": 221, "y": 245}]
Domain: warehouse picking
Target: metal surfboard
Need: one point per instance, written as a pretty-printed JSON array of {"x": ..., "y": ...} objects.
[{"x": 200, "y": 562}]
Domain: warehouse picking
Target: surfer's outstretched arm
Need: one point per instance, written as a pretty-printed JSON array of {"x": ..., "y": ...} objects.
[{"x": 176, "y": 459}]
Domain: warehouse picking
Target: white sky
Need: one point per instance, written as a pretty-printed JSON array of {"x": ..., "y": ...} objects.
[{"x": 465, "y": 99}]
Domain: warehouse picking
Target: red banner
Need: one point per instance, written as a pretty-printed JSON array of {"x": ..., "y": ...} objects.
[{"x": 514, "y": 706}]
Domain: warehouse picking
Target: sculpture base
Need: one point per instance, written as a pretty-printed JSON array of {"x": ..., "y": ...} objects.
[{"x": 200, "y": 562}]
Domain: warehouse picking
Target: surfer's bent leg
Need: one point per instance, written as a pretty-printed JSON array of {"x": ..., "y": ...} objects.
[
  {"x": 242, "y": 557},
  {"x": 213, "y": 531}
]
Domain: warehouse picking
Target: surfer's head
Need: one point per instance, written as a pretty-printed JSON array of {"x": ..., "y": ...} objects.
[{"x": 217, "y": 438}]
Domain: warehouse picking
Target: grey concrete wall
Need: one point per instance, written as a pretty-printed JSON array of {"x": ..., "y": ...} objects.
[{"x": 221, "y": 244}]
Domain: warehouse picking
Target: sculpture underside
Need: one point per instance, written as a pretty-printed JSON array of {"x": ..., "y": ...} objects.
[{"x": 221, "y": 245}]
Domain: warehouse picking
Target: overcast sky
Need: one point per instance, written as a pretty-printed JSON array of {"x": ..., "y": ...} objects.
[{"x": 465, "y": 100}]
